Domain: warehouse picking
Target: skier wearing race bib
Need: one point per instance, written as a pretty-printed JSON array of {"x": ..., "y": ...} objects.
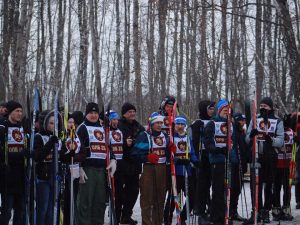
[
  {"x": 13, "y": 151},
  {"x": 91, "y": 197}
]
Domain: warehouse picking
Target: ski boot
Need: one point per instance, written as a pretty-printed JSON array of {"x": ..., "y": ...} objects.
[
  {"x": 236, "y": 217},
  {"x": 203, "y": 220},
  {"x": 276, "y": 213},
  {"x": 128, "y": 221},
  {"x": 265, "y": 216},
  {"x": 251, "y": 219},
  {"x": 286, "y": 214}
]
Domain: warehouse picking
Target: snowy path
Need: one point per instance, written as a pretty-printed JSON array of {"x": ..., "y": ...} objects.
[{"x": 295, "y": 213}]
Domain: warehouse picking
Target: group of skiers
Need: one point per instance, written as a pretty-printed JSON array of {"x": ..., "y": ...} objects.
[{"x": 193, "y": 170}]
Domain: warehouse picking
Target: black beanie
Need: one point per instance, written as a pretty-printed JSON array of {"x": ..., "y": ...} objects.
[
  {"x": 91, "y": 107},
  {"x": 268, "y": 101},
  {"x": 126, "y": 107},
  {"x": 78, "y": 117},
  {"x": 12, "y": 105}
]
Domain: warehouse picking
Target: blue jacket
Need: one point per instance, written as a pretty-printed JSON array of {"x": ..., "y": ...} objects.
[
  {"x": 180, "y": 169},
  {"x": 217, "y": 155},
  {"x": 142, "y": 146}
]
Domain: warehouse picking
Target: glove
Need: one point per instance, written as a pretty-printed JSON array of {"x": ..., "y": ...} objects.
[
  {"x": 72, "y": 153},
  {"x": 112, "y": 167},
  {"x": 152, "y": 158},
  {"x": 53, "y": 139},
  {"x": 297, "y": 139},
  {"x": 185, "y": 162},
  {"x": 268, "y": 139},
  {"x": 82, "y": 176},
  {"x": 253, "y": 133},
  {"x": 75, "y": 171}
]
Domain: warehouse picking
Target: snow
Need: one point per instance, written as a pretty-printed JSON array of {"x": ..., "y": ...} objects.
[{"x": 295, "y": 213}]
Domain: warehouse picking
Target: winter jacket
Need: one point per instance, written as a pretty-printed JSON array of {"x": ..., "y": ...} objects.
[
  {"x": 143, "y": 145},
  {"x": 13, "y": 147},
  {"x": 217, "y": 154}
]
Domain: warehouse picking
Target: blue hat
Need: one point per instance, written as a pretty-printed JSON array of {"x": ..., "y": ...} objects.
[
  {"x": 113, "y": 115},
  {"x": 221, "y": 104},
  {"x": 155, "y": 117},
  {"x": 180, "y": 120}
]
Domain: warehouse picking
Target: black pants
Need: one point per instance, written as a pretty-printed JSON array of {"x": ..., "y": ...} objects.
[
  {"x": 281, "y": 180},
  {"x": 202, "y": 189},
  {"x": 266, "y": 181},
  {"x": 126, "y": 193},
  {"x": 297, "y": 187},
  {"x": 235, "y": 188},
  {"x": 218, "y": 194}
]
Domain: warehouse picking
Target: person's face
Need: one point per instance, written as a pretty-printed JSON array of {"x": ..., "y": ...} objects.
[
  {"x": 242, "y": 123},
  {"x": 50, "y": 125},
  {"x": 179, "y": 128},
  {"x": 114, "y": 123},
  {"x": 71, "y": 123},
  {"x": 264, "y": 106},
  {"x": 224, "y": 112},
  {"x": 16, "y": 115},
  {"x": 157, "y": 126},
  {"x": 210, "y": 111},
  {"x": 130, "y": 115},
  {"x": 93, "y": 117},
  {"x": 168, "y": 108}
]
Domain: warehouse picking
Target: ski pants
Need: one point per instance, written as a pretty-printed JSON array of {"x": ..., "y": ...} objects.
[
  {"x": 14, "y": 202},
  {"x": 203, "y": 184},
  {"x": 153, "y": 190},
  {"x": 91, "y": 197},
  {"x": 266, "y": 181},
  {"x": 281, "y": 180},
  {"x": 236, "y": 184},
  {"x": 218, "y": 194},
  {"x": 127, "y": 191},
  {"x": 44, "y": 201}
]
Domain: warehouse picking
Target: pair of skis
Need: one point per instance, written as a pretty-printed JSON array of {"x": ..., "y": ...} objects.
[
  {"x": 30, "y": 209},
  {"x": 110, "y": 179},
  {"x": 228, "y": 164}
]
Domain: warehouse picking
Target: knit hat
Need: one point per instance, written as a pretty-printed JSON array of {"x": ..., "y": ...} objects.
[
  {"x": 155, "y": 117},
  {"x": 221, "y": 104},
  {"x": 203, "y": 106},
  {"x": 113, "y": 115},
  {"x": 180, "y": 120},
  {"x": 91, "y": 107},
  {"x": 126, "y": 107},
  {"x": 268, "y": 101},
  {"x": 12, "y": 105},
  {"x": 239, "y": 116},
  {"x": 78, "y": 117}
]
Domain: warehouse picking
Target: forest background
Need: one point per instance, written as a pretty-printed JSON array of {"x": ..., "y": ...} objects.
[{"x": 142, "y": 50}]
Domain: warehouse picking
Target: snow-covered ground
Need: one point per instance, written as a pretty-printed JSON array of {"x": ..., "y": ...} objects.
[{"x": 295, "y": 213}]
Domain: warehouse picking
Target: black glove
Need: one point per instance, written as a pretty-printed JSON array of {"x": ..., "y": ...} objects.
[
  {"x": 253, "y": 133},
  {"x": 183, "y": 162},
  {"x": 297, "y": 139},
  {"x": 268, "y": 139},
  {"x": 51, "y": 143}
]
